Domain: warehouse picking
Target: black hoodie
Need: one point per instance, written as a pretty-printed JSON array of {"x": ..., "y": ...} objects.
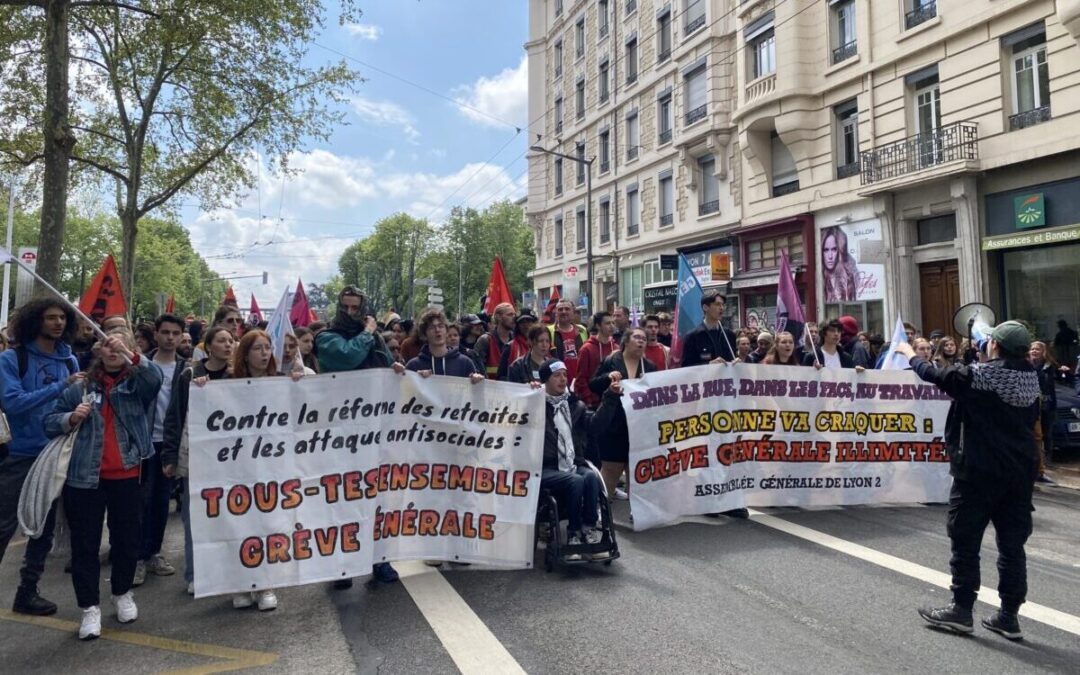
[{"x": 454, "y": 364}]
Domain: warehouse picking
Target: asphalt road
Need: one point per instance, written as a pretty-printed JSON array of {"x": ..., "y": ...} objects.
[{"x": 800, "y": 591}]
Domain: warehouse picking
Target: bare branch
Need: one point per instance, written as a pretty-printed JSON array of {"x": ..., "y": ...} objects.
[
  {"x": 102, "y": 167},
  {"x": 102, "y": 134},
  {"x": 106, "y": 4}
]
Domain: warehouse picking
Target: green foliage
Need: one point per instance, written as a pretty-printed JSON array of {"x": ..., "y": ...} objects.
[{"x": 380, "y": 263}]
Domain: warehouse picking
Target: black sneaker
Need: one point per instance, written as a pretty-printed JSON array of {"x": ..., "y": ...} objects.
[
  {"x": 29, "y": 602},
  {"x": 1005, "y": 624},
  {"x": 952, "y": 616},
  {"x": 342, "y": 584}
]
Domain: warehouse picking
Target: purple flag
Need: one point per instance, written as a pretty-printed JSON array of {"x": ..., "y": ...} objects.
[{"x": 789, "y": 311}]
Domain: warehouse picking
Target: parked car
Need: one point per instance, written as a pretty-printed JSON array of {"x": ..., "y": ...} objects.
[{"x": 1067, "y": 424}]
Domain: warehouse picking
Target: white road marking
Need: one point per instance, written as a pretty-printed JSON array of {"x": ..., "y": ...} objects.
[
  {"x": 472, "y": 646},
  {"x": 1047, "y": 615}
]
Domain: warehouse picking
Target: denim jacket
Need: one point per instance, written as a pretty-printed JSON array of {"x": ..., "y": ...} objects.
[{"x": 130, "y": 399}]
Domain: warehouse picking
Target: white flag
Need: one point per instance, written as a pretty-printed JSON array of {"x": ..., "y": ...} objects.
[
  {"x": 277, "y": 328},
  {"x": 892, "y": 360}
]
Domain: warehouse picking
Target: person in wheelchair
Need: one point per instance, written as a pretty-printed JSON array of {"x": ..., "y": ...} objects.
[{"x": 566, "y": 473}]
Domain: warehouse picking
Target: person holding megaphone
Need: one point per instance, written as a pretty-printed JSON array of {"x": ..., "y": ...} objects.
[{"x": 990, "y": 439}]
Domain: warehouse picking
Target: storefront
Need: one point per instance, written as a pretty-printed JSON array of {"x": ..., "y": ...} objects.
[
  {"x": 755, "y": 284},
  {"x": 1032, "y": 242}
]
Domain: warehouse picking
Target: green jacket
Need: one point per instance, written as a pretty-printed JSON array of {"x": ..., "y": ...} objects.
[{"x": 337, "y": 353}]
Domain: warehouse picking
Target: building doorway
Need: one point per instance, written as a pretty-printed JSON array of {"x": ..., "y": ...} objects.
[{"x": 939, "y": 284}]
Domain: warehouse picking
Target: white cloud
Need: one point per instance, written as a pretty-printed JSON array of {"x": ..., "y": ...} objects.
[
  {"x": 504, "y": 96},
  {"x": 364, "y": 31},
  {"x": 386, "y": 114}
]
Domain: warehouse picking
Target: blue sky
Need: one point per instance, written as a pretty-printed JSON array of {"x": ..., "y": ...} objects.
[{"x": 404, "y": 149}]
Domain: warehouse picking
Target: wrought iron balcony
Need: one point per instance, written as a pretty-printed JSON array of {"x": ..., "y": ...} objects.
[
  {"x": 845, "y": 52},
  {"x": 1029, "y": 118},
  {"x": 846, "y": 170},
  {"x": 631, "y": 230},
  {"x": 605, "y": 165},
  {"x": 957, "y": 141},
  {"x": 668, "y": 219},
  {"x": 558, "y": 189},
  {"x": 631, "y": 76},
  {"x": 709, "y": 207},
  {"x": 631, "y": 152},
  {"x": 603, "y": 31},
  {"x": 605, "y": 235},
  {"x": 695, "y": 24},
  {"x": 664, "y": 55},
  {"x": 665, "y": 137},
  {"x": 785, "y": 189},
  {"x": 558, "y": 71},
  {"x": 558, "y": 127},
  {"x": 696, "y": 114},
  {"x": 920, "y": 14},
  {"x": 631, "y": 6}
]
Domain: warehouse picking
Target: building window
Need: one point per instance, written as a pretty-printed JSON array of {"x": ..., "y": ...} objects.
[
  {"x": 605, "y": 151},
  {"x": 558, "y": 58},
  {"x": 558, "y": 176},
  {"x": 558, "y": 115},
  {"x": 605, "y": 84},
  {"x": 558, "y": 237},
  {"x": 579, "y": 38},
  {"x": 919, "y": 11},
  {"x": 709, "y": 192},
  {"x": 935, "y": 230},
  {"x": 695, "y": 15},
  {"x": 633, "y": 136},
  {"x": 927, "y": 98},
  {"x": 558, "y": 7},
  {"x": 663, "y": 36},
  {"x": 665, "y": 118},
  {"x": 765, "y": 253},
  {"x": 631, "y": 61},
  {"x": 579, "y": 99},
  {"x": 602, "y": 18},
  {"x": 847, "y": 138},
  {"x": 761, "y": 47},
  {"x": 785, "y": 177},
  {"x": 605, "y": 221},
  {"x": 631, "y": 7},
  {"x": 696, "y": 106},
  {"x": 633, "y": 212},
  {"x": 666, "y": 189},
  {"x": 579, "y": 151},
  {"x": 580, "y": 229},
  {"x": 843, "y": 29},
  {"x": 1030, "y": 80}
]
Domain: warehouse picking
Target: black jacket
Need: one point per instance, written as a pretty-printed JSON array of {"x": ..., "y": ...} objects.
[
  {"x": 521, "y": 371},
  {"x": 578, "y": 429},
  {"x": 845, "y": 359},
  {"x": 703, "y": 345},
  {"x": 176, "y": 417},
  {"x": 610, "y": 419},
  {"x": 454, "y": 364},
  {"x": 990, "y": 430}
]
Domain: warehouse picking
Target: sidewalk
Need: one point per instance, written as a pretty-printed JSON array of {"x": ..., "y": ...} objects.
[{"x": 1065, "y": 474}]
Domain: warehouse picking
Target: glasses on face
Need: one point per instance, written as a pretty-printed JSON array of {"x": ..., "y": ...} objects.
[{"x": 234, "y": 319}]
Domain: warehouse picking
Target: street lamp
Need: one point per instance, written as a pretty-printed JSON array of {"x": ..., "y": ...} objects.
[{"x": 588, "y": 215}]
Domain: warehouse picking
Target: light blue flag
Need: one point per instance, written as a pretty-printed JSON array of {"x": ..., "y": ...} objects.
[
  {"x": 892, "y": 360},
  {"x": 688, "y": 312}
]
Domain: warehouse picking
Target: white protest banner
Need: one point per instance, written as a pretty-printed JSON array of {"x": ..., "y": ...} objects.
[
  {"x": 714, "y": 438},
  {"x": 299, "y": 482}
]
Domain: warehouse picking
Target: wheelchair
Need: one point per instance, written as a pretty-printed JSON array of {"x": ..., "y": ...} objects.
[{"x": 551, "y": 529}]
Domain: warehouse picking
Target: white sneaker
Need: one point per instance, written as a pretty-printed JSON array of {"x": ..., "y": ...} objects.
[
  {"x": 267, "y": 600},
  {"x": 126, "y": 611},
  {"x": 160, "y": 566},
  {"x": 140, "y": 574},
  {"x": 621, "y": 495},
  {"x": 573, "y": 541},
  {"x": 593, "y": 536},
  {"x": 242, "y": 601},
  {"x": 191, "y": 588},
  {"x": 91, "y": 623}
]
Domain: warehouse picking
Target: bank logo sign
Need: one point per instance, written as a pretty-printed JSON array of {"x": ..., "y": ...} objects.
[{"x": 1029, "y": 211}]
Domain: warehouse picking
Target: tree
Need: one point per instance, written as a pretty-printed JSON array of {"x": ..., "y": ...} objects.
[{"x": 380, "y": 263}]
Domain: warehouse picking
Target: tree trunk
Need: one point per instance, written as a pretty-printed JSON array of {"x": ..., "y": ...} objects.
[
  {"x": 129, "y": 230},
  {"x": 58, "y": 141}
]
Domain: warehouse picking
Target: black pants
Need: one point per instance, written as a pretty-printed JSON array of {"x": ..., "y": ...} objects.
[
  {"x": 13, "y": 472},
  {"x": 86, "y": 509},
  {"x": 973, "y": 503},
  {"x": 156, "y": 491}
]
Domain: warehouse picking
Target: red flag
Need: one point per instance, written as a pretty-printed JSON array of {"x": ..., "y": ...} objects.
[
  {"x": 230, "y": 298},
  {"x": 313, "y": 315},
  {"x": 170, "y": 306},
  {"x": 104, "y": 297},
  {"x": 255, "y": 316},
  {"x": 498, "y": 291},
  {"x": 549, "y": 311},
  {"x": 300, "y": 315}
]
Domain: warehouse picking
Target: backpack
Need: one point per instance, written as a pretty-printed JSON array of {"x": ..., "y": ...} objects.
[{"x": 24, "y": 362}]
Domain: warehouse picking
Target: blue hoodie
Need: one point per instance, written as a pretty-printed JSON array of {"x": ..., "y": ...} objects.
[
  {"x": 454, "y": 364},
  {"x": 28, "y": 400}
]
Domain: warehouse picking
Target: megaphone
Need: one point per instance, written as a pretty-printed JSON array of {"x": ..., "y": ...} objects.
[{"x": 975, "y": 320}]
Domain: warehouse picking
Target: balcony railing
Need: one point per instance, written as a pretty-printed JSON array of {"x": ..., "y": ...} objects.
[
  {"x": 558, "y": 127},
  {"x": 695, "y": 24},
  {"x": 631, "y": 6},
  {"x": 696, "y": 114},
  {"x": 667, "y": 219},
  {"x": 603, "y": 30},
  {"x": 845, "y": 52},
  {"x": 631, "y": 153},
  {"x": 920, "y": 14},
  {"x": 605, "y": 165},
  {"x": 846, "y": 170},
  {"x": 664, "y": 55},
  {"x": 785, "y": 189},
  {"x": 708, "y": 207},
  {"x": 631, "y": 76},
  {"x": 631, "y": 230},
  {"x": 605, "y": 236},
  {"x": 665, "y": 137},
  {"x": 957, "y": 141},
  {"x": 558, "y": 71},
  {"x": 1029, "y": 118}
]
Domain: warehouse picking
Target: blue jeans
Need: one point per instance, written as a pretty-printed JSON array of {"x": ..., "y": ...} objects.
[
  {"x": 578, "y": 494},
  {"x": 185, "y": 515},
  {"x": 13, "y": 472},
  {"x": 156, "y": 490}
]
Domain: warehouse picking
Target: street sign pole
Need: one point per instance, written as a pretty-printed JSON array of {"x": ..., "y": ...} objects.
[{"x": 7, "y": 247}]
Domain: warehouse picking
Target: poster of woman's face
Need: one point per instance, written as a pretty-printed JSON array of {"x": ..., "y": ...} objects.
[{"x": 843, "y": 276}]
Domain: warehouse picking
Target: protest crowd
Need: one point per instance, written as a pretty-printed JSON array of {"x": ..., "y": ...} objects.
[{"x": 118, "y": 394}]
